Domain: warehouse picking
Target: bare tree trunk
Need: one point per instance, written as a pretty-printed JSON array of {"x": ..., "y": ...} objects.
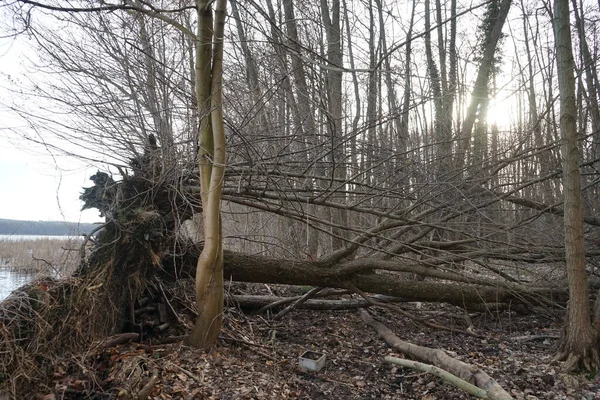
[
  {"x": 578, "y": 347},
  {"x": 591, "y": 84},
  {"x": 372, "y": 91},
  {"x": 391, "y": 93},
  {"x": 481, "y": 82},
  {"x": 353, "y": 143},
  {"x": 440, "y": 136},
  {"x": 304, "y": 108},
  {"x": 534, "y": 124},
  {"x": 209, "y": 271},
  {"x": 403, "y": 131},
  {"x": 449, "y": 83},
  {"x": 334, "y": 110},
  {"x": 591, "y": 77}
]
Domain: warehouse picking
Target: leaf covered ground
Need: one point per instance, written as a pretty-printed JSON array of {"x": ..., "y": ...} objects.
[{"x": 257, "y": 358}]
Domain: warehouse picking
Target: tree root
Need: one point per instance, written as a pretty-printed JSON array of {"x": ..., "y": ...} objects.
[{"x": 584, "y": 360}]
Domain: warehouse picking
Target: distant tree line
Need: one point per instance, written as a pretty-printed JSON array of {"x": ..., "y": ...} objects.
[{"x": 17, "y": 227}]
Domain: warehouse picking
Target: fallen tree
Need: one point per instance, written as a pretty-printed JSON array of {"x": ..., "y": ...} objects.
[
  {"x": 141, "y": 244},
  {"x": 50, "y": 318},
  {"x": 372, "y": 278}
]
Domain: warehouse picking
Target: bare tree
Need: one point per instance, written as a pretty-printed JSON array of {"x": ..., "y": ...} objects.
[
  {"x": 209, "y": 76},
  {"x": 579, "y": 345}
]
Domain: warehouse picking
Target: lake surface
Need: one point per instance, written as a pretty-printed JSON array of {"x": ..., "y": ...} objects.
[{"x": 11, "y": 280}]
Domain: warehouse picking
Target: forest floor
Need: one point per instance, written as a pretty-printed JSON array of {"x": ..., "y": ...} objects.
[{"x": 257, "y": 358}]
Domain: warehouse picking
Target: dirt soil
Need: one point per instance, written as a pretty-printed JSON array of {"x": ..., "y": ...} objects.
[{"x": 257, "y": 358}]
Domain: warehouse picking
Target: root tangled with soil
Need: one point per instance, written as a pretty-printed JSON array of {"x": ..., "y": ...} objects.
[{"x": 48, "y": 319}]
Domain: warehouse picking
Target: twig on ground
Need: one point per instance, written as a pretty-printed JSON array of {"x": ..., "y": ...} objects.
[
  {"x": 287, "y": 300},
  {"x": 242, "y": 341},
  {"x": 191, "y": 375},
  {"x": 278, "y": 303},
  {"x": 117, "y": 339},
  {"x": 530, "y": 338},
  {"x": 268, "y": 302}
]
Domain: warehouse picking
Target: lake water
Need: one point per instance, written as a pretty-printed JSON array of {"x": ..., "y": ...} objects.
[{"x": 11, "y": 280}]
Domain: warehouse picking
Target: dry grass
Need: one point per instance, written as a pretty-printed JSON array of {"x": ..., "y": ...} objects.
[{"x": 44, "y": 255}]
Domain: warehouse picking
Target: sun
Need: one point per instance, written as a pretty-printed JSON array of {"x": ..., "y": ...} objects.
[{"x": 502, "y": 112}]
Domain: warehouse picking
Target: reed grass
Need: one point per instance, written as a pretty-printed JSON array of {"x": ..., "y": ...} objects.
[{"x": 44, "y": 255}]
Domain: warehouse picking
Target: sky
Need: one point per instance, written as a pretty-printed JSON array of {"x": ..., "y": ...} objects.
[{"x": 34, "y": 185}]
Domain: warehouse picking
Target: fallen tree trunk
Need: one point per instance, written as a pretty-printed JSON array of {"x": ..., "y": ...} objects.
[
  {"x": 260, "y": 301},
  {"x": 440, "y": 373},
  {"x": 260, "y": 269},
  {"x": 439, "y": 358}
]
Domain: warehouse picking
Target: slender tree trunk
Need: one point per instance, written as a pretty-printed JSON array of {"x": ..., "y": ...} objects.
[
  {"x": 333, "y": 30},
  {"x": 305, "y": 110},
  {"x": 391, "y": 93},
  {"x": 481, "y": 82},
  {"x": 353, "y": 143},
  {"x": 440, "y": 136},
  {"x": 591, "y": 84},
  {"x": 404, "y": 132},
  {"x": 372, "y": 91},
  {"x": 450, "y": 83},
  {"x": 209, "y": 271},
  {"x": 578, "y": 347}
]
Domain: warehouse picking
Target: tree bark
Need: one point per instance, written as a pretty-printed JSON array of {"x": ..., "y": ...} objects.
[
  {"x": 441, "y": 135},
  {"x": 209, "y": 269},
  {"x": 333, "y": 31},
  {"x": 370, "y": 277},
  {"x": 578, "y": 347}
]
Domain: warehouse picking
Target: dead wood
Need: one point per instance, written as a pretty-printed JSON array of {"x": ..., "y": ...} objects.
[
  {"x": 260, "y": 269},
  {"x": 117, "y": 339},
  {"x": 439, "y": 358},
  {"x": 303, "y": 299},
  {"x": 51, "y": 318},
  {"x": 282, "y": 301},
  {"x": 147, "y": 389},
  {"x": 47, "y": 318},
  {"x": 445, "y": 375},
  {"x": 420, "y": 320},
  {"x": 530, "y": 338},
  {"x": 263, "y": 302}
]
